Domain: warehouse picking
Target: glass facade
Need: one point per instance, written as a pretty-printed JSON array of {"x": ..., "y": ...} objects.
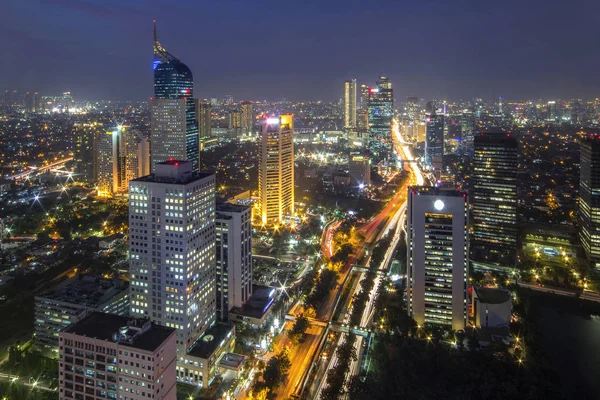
[
  {"x": 494, "y": 188},
  {"x": 381, "y": 113},
  {"x": 434, "y": 140},
  {"x": 589, "y": 199}
]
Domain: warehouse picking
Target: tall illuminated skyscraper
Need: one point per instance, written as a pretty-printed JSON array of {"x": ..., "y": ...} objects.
[
  {"x": 365, "y": 92},
  {"x": 172, "y": 249},
  {"x": 381, "y": 112},
  {"x": 494, "y": 190},
  {"x": 589, "y": 199},
  {"x": 434, "y": 140},
  {"x": 204, "y": 118},
  {"x": 438, "y": 256},
  {"x": 276, "y": 169},
  {"x": 173, "y": 113},
  {"x": 247, "y": 117},
  {"x": 86, "y": 136},
  {"x": 350, "y": 104}
]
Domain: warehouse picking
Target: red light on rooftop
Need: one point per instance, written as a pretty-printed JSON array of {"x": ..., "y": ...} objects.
[{"x": 177, "y": 164}]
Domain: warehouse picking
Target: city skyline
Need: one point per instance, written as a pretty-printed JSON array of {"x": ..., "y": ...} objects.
[{"x": 111, "y": 34}]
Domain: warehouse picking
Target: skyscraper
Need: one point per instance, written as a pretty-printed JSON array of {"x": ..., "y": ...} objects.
[
  {"x": 32, "y": 102},
  {"x": 359, "y": 169},
  {"x": 247, "y": 117},
  {"x": 204, "y": 118},
  {"x": 589, "y": 199},
  {"x": 494, "y": 196},
  {"x": 86, "y": 136},
  {"x": 172, "y": 249},
  {"x": 276, "y": 169},
  {"x": 174, "y": 133},
  {"x": 438, "y": 256},
  {"x": 350, "y": 104},
  {"x": 234, "y": 257},
  {"x": 434, "y": 142},
  {"x": 365, "y": 92},
  {"x": 381, "y": 111}
]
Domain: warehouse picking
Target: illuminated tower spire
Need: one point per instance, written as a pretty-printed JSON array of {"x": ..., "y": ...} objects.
[{"x": 159, "y": 51}]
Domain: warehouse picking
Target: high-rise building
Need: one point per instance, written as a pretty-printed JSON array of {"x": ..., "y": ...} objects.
[
  {"x": 234, "y": 256},
  {"x": 11, "y": 98},
  {"x": 276, "y": 169},
  {"x": 365, "y": 93},
  {"x": 589, "y": 199},
  {"x": 494, "y": 197},
  {"x": 107, "y": 356},
  {"x": 122, "y": 154},
  {"x": 434, "y": 142},
  {"x": 412, "y": 109},
  {"x": 86, "y": 137},
  {"x": 247, "y": 117},
  {"x": 172, "y": 249},
  {"x": 350, "y": 103},
  {"x": 359, "y": 169},
  {"x": 468, "y": 127},
  {"x": 551, "y": 113},
  {"x": 173, "y": 113},
  {"x": 234, "y": 119},
  {"x": 381, "y": 112},
  {"x": 32, "y": 102},
  {"x": 438, "y": 256},
  {"x": 204, "y": 117}
]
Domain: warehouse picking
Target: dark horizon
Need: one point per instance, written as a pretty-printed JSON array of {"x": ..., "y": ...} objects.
[{"x": 304, "y": 51}]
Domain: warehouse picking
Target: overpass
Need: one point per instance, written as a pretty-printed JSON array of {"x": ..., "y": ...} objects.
[{"x": 43, "y": 169}]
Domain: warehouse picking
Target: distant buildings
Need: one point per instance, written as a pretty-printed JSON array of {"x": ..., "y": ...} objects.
[
  {"x": 33, "y": 103},
  {"x": 589, "y": 199},
  {"x": 381, "y": 112},
  {"x": 276, "y": 169},
  {"x": 494, "y": 197},
  {"x": 204, "y": 118},
  {"x": 350, "y": 104},
  {"x": 437, "y": 259},
  {"x": 173, "y": 112},
  {"x": 112, "y": 357},
  {"x": 86, "y": 136},
  {"x": 234, "y": 257},
  {"x": 71, "y": 301},
  {"x": 359, "y": 168},
  {"x": 172, "y": 256},
  {"x": 247, "y": 117}
]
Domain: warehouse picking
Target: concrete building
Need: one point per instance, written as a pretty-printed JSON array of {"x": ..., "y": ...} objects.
[
  {"x": 234, "y": 256},
  {"x": 168, "y": 129},
  {"x": 350, "y": 104},
  {"x": 359, "y": 168},
  {"x": 437, "y": 256},
  {"x": 204, "y": 118},
  {"x": 172, "y": 249},
  {"x": 589, "y": 199},
  {"x": 492, "y": 308},
  {"x": 107, "y": 356},
  {"x": 86, "y": 137},
  {"x": 72, "y": 300},
  {"x": 276, "y": 169},
  {"x": 247, "y": 117}
]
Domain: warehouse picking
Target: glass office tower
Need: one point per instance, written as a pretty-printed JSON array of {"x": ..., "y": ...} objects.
[
  {"x": 494, "y": 188},
  {"x": 381, "y": 113},
  {"x": 589, "y": 199}
]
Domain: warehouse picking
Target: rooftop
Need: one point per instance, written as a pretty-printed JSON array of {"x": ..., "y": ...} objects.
[
  {"x": 138, "y": 333},
  {"x": 213, "y": 338},
  {"x": 258, "y": 304},
  {"x": 492, "y": 295},
  {"x": 437, "y": 191},
  {"x": 90, "y": 291},
  {"x": 230, "y": 207}
]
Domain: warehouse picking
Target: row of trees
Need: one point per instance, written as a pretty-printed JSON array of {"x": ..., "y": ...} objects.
[
  {"x": 273, "y": 375},
  {"x": 336, "y": 377}
]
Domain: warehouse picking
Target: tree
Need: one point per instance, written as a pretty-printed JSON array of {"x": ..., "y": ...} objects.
[
  {"x": 276, "y": 371},
  {"x": 300, "y": 327}
]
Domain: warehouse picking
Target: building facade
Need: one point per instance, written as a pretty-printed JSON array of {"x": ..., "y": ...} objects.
[
  {"x": 107, "y": 356},
  {"x": 381, "y": 113},
  {"x": 234, "y": 257},
  {"x": 177, "y": 136},
  {"x": 85, "y": 155},
  {"x": 172, "y": 249},
  {"x": 350, "y": 104},
  {"x": 434, "y": 142},
  {"x": 276, "y": 169},
  {"x": 247, "y": 117},
  {"x": 204, "y": 118},
  {"x": 438, "y": 256},
  {"x": 589, "y": 199},
  {"x": 359, "y": 168},
  {"x": 494, "y": 197}
]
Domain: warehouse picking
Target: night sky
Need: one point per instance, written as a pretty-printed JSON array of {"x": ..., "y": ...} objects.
[{"x": 303, "y": 50}]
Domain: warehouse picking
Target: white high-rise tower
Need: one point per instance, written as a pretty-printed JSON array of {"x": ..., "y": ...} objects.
[{"x": 350, "y": 103}]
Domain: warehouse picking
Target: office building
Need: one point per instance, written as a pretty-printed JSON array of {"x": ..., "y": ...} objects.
[
  {"x": 32, "y": 102},
  {"x": 72, "y": 300},
  {"x": 350, "y": 104},
  {"x": 437, "y": 256},
  {"x": 381, "y": 112},
  {"x": 494, "y": 197},
  {"x": 108, "y": 356},
  {"x": 234, "y": 257},
  {"x": 122, "y": 154},
  {"x": 247, "y": 117},
  {"x": 204, "y": 118},
  {"x": 174, "y": 129},
  {"x": 172, "y": 249},
  {"x": 276, "y": 169},
  {"x": 412, "y": 109},
  {"x": 434, "y": 142},
  {"x": 589, "y": 199},
  {"x": 86, "y": 137},
  {"x": 359, "y": 168},
  {"x": 365, "y": 92}
]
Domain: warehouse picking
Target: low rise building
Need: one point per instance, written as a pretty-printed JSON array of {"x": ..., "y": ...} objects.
[
  {"x": 106, "y": 356},
  {"x": 71, "y": 301},
  {"x": 492, "y": 307}
]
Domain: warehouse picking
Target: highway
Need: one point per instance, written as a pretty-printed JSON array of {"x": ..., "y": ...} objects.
[{"x": 42, "y": 169}]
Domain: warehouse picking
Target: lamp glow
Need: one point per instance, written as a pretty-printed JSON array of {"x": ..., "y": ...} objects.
[
  {"x": 439, "y": 205},
  {"x": 272, "y": 121}
]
